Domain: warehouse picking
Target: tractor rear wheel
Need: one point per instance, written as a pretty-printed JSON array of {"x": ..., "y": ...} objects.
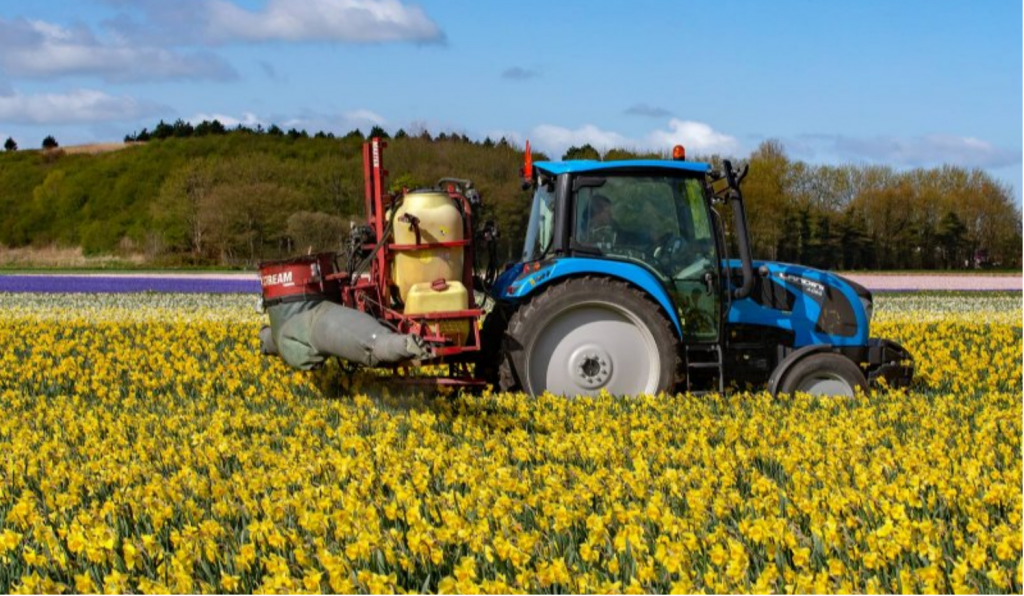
[
  {"x": 590, "y": 334},
  {"x": 824, "y": 374}
]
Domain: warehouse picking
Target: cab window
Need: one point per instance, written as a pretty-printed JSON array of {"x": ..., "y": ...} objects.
[{"x": 659, "y": 220}]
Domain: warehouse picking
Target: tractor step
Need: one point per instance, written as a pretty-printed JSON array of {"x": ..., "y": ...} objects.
[
  {"x": 746, "y": 346},
  {"x": 704, "y": 357}
]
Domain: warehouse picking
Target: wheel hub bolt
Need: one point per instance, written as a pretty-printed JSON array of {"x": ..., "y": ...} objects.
[{"x": 593, "y": 370}]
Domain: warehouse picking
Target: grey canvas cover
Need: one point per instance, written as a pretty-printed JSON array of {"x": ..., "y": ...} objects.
[{"x": 305, "y": 334}]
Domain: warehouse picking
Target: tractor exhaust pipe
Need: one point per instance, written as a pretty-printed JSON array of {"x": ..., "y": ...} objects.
[{"x": 739, "y": 214}]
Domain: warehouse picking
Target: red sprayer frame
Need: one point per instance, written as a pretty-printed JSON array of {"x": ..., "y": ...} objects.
[{"x": 372, "y": 294}]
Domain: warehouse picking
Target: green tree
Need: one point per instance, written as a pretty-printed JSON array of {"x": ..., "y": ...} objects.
[
  {"x": 853, "y": 238},
  {"x": 10, "y": 144},
  {"x": 45, "y": 196},
  {"x": 378, "y": 132},
  {"x": 587, "y": 151},
  {"x": 50, "y": 143},
  {"x": 889, "y": 221},
  {"x": 207, "y": 127},
  {"x": 769, "y": 202},
  {"x": 405, "y": 181},
  {"x": 182, "y": 129},
  {"x": 825, "y": 247},
  {"x": 163, "y": 131},
  {"x": 951, "y": 236},
  {"x": 184, "y": 210},
  {"x": 618, "y": 154},
  {"x": 314, "y": 231}
]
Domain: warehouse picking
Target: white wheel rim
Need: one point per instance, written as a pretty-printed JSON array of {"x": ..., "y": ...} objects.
[
  {"x": 592, "y": 347},
  {"x": 825, "y": 384}
]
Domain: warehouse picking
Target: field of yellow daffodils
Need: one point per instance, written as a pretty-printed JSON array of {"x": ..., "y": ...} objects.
[{"x": 146, "y": 446}]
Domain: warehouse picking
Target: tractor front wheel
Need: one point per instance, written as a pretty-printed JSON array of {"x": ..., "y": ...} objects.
[
  {"x": 590, "y": 334},
  {"x": 824, "y": 374}
]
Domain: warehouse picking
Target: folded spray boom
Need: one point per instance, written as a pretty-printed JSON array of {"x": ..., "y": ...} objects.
[{"x": 406, "y": 295}]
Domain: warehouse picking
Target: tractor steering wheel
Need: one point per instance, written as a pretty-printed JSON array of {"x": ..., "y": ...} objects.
[
  {"x": 665, "y": 250},
  {"x": 653, "y": 249}
]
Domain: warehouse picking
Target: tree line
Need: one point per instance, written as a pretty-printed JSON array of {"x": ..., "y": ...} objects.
[
  {"x": 49, "y": 142},
  {"x": 180, "y": 129},
  {"x": 876, "y": 217},
  {"x": 208, "y": 194},
  {"x": 232, "y": 196}
]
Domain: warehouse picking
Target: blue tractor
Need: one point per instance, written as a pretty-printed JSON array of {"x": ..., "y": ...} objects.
[{"x": 626, "y": 285}]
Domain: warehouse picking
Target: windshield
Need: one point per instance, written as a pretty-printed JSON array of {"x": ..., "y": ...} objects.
[{"x": 540, "y": 231}]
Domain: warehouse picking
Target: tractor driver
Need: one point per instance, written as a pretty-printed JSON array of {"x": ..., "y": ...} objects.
[
  {"x": 600, "y": 216},
  {"x": 598, "y": 228},
  {"x": 602, "y": 230}
]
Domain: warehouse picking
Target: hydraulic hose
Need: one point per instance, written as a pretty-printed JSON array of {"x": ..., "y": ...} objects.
[{"x": 361, "y": 267}]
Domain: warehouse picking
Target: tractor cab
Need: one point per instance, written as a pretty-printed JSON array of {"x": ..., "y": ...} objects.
[{"x": 651, "y": 214}]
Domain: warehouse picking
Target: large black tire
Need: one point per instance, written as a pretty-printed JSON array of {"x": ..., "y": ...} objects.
[
  {"x": 563, "y": 334},
  {"x": 824, "y": 374},
  {"x": 492, "y": 363}
]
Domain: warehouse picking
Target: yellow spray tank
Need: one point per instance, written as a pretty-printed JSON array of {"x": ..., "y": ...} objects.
[{"x": 429, "y": 280}]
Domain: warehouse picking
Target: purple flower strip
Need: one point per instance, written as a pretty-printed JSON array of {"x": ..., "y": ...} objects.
[{"x": 96, "y": 284}]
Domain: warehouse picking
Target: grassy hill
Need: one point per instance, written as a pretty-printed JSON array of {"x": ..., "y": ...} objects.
[
  {"x": 243, "y": 187},
  {"x": 234, "y": 198}
]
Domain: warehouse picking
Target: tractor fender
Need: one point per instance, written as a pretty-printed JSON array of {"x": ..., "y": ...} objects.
[
  {"x": 538, "y": 275},
  {"x": 787, "y": 363}
]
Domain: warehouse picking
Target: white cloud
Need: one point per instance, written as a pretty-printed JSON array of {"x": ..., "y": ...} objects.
[
  {"x": 35, "y": 48},
  {"x": 248, "y": 120},
  {"x": 362, "y": 118},
  {"x": 365, "y": 21},
  {"x": 926, "y": 150},
  {"x": 697, "y": 137},
  {"x": 557, "y": 139},
  {"x": 78, "y": 106}
]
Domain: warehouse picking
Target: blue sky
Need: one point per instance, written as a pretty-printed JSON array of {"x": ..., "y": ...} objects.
[{"x": 899, "y": 83}]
